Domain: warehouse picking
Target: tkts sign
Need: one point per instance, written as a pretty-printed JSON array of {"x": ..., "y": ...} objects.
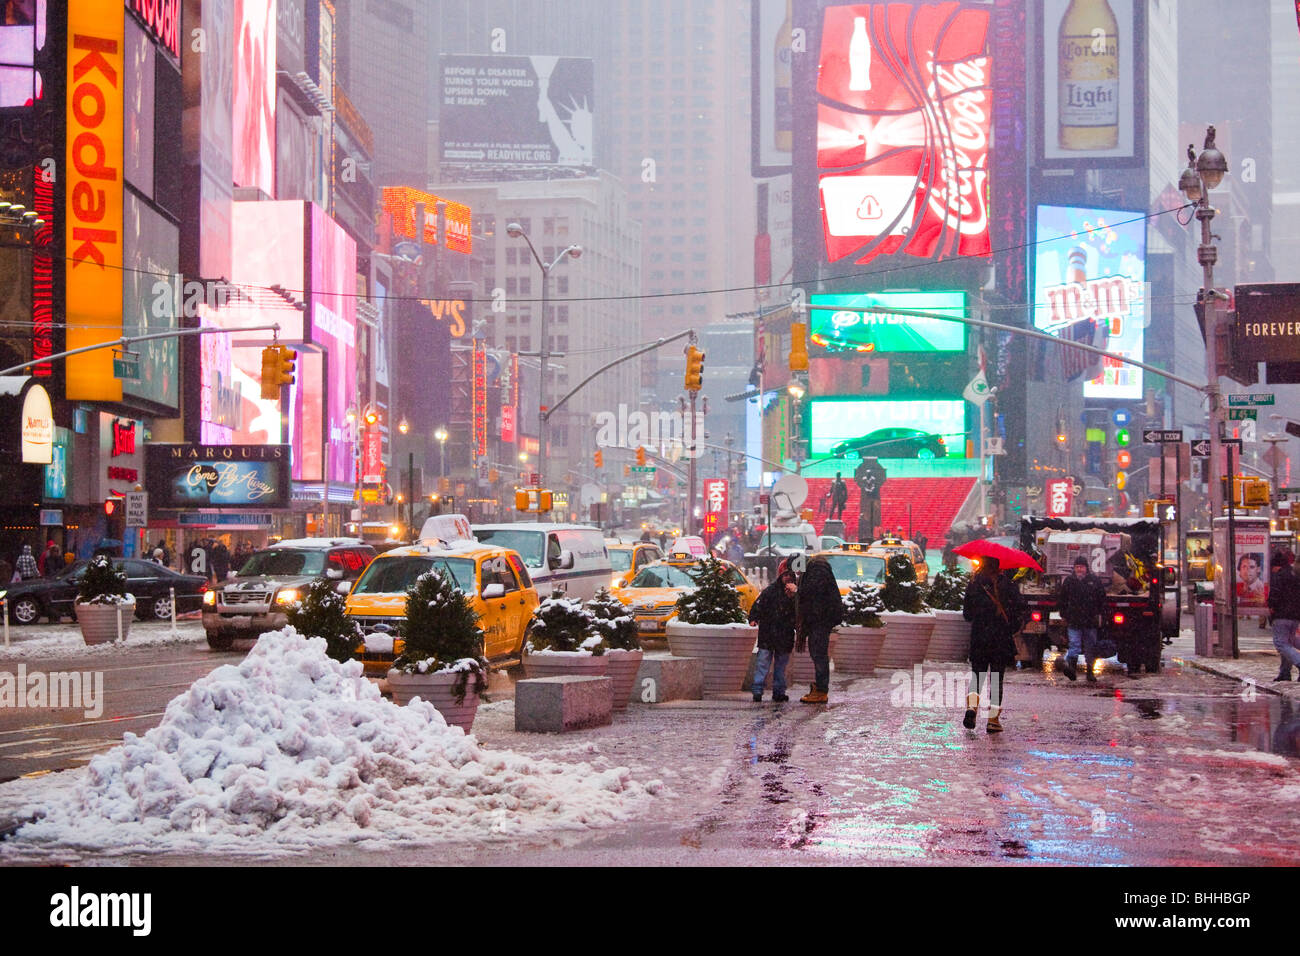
[
  {"x": 1060, "y": 498},
  {"x": 903, "y": 130}
]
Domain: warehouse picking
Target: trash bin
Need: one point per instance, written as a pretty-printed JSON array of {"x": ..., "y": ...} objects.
[{"x": 1204, "y": 628}]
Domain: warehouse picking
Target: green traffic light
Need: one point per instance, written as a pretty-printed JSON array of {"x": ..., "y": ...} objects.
[{"x": 1121, "y": 437}]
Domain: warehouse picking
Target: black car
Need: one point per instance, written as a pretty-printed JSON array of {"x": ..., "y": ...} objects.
[
  {"x": 151, "y": 584},
  {"x": 893, "y": 443}
]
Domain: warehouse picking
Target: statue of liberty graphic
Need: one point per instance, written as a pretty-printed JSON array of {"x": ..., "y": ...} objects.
[{"x": 572, "y": 135}]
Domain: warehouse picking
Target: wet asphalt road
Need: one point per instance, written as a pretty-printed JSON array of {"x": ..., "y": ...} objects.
[{"x": 1178, "y": 768}]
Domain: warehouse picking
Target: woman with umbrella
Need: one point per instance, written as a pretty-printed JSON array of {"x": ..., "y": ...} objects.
[{"x": 996, "y": 610}]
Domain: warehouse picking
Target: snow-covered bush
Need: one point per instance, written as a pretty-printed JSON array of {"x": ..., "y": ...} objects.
[
  {"x": 102, "y": 583},
  {"x": 441, "y": 633},
  {"x": 862, "y": 606},
  {"x": 562, "y": 624},
  {"x": 320, "y": 614},
  {"x": 948, "y": 589},
  {"x": 714, "y": 600},
  {"x": 901, "y": 592},
  {"x": 614, "y": 622}
]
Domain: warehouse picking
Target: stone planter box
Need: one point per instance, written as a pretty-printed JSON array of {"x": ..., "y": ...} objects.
[
  {"x": 622, "y": 670},
  {"x": 856, "y": 648},
  {"x": 436, "y": 689},
  {"x": 565, "y": 663},
  {"x": 950, "y": 640},
  {"x": 907, "y": 638},
  {"x": 99, "y": 621},
  {"x": 723, "y": 649},
  {"x": 800, "y": 669}
]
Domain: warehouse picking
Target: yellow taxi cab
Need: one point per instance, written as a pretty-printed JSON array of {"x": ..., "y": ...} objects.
[
  {"x": 628, "y": 559},
  {"x": 653, "y": 591},
  {"x": 852, "y": 563},
  {"x": 886, "y": 547},
  {"x": 493, "y": 578}
]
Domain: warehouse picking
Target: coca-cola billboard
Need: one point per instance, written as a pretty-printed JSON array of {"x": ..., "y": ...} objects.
[{"x": 904, "y": 118}]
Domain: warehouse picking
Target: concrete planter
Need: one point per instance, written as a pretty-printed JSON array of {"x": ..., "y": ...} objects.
[
  {"x": 800, "y": 669},
  {"x": 622, "y": 670},
  {"x": 723, "y": 649},
  {"x": 907, "y": 638},
  {"x": 436, "y": 689},
  {"x": 565, "y": 663},
  {"x": 856, "y": 648},
  {"x": 950, "y": 640},
  {"x": 99, "y": 621}
]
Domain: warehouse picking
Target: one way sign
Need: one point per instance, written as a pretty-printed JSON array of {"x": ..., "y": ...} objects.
[
  {"x": 1156, "y": 436},
  {"x": 1201, "y": 448}
]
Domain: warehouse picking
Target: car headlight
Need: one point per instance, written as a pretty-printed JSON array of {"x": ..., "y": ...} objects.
[
  {"x": 210, "y": 598},
  {"x": 287, "y": 596},
  {"x": 2, "y": 595}
]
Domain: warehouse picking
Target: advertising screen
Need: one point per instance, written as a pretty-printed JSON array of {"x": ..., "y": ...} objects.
[
  {"x": 268, "y": 250},
  {"x": 771, "y": 108},
  {"x": 844, "y": 420},
  {"x": 148, "y": 301},
  {"x": 254, "y": 101},
  {"x": 215, "y": 476},
  {"x": 517, "y": 110},
  {"x": 334, "y": 327},
  {"x": 856, "y": 327},
  {"x": 1091, "y": 77},
  {"x": 400, "y": 202},
  {"x": 22, "y": 33},
  {"x": 903, "y": 130},
  {"x": 1089, "y": 286},
  {"x": 139, "y": 108}
]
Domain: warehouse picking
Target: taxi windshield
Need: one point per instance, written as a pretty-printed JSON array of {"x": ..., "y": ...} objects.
[
  {"x": 283, "y": 561},
  {"x": 395, "y": 575},
  {"x": 665, "y": 576},
  {"x": 620, "y": 559},
  {"x": 787, "y": 539},
  {"x": 857, "y": 567},
  {"x": 529, "y": 544}
]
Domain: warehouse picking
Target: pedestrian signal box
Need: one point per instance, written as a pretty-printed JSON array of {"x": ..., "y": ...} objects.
[{"x": 532, "y": 499}]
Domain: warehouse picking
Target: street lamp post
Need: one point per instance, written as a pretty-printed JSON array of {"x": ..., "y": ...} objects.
[
  {"x": 441, "y": 436},
  {"x": 516, "y": 231},
  {"x": 1203, "y": 173}
]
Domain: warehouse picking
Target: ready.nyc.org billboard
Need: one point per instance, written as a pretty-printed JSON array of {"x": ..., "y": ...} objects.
[{"x": 517, "y": 110}]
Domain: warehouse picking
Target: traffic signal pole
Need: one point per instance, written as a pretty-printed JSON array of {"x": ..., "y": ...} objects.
[{"x": 131, "y": 339}]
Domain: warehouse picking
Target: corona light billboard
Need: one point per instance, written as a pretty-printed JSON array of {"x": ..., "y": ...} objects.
[{"x": 93, "y": 185}]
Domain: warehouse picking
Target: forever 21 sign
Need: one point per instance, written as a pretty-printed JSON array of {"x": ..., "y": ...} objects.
[{"x": 184, "y": 476}]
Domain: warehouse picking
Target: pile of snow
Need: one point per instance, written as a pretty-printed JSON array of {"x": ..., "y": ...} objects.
[
  {"x": 290, "y": 749},
  {"x": 66, "y": 639}
]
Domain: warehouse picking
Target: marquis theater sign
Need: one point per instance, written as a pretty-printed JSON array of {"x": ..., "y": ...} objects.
[
  {"x": 903, "y": 128},
  {"x": 187, "y": 476}
]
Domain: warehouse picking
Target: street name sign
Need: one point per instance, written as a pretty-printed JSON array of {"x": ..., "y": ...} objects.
[
  {"x": 1156, "y": 436},
  {"x": 1241, "y": 414},
  {"x": 1250, "y": 398}
]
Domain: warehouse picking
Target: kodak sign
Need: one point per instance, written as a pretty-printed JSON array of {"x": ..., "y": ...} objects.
[{"x": 93, "y": 182}]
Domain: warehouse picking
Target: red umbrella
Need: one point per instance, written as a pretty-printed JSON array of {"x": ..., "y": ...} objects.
[{"x": 1007, "y": 557}]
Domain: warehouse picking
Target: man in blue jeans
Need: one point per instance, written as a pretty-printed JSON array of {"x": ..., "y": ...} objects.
[
  {"x": 1081, "y": 599},
  {"x": 1284, "y": 608},
  {"x": 774, "y": 613}
]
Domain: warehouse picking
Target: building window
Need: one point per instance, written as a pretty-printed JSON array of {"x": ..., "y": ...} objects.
[
  {"x": 562, "y": 314},
  {"x": 562, "y": 343},
  {"x": 510, "y": 343},
  {"x": 526, "y": 343},
  {"x": 525, "y": 285},
  {"x": 511, "y": 285},
  {"x": 562, "y": 285}
]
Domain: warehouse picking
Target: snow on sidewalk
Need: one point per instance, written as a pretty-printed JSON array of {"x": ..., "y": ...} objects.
[
  {"x": 292, "y": 750},
  {"x": 60, "y": 639}
]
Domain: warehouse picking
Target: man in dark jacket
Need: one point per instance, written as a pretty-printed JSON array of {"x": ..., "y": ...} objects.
[
  {"x": 820, "y": 609},
  {"x": 1284, "y": 607},
  {"x": 1081, "y": 599},
  {"x": 996, "y": 611},
  {"x": 774, "y": 613}
]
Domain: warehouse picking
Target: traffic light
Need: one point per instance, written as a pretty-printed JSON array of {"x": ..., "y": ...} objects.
[
  {"x": 371, "y": 418},
  {"x": 694, "y": 369},
  {"x": 287, "y": 359},
  {"x": 271, "y": 373},
  {"x": 1124, "y": 458},
  {"x": 627, "y": 471},
  {"x": 599, "y": 459},
  {"x": 1121, "y": 480},
  {"x": 1122, "y": 437},
  {"x": 798, "y": 347},
  {"x": 640, "y": 455}
]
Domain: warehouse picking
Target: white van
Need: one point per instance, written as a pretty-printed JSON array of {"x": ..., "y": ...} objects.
[{"x": 562, "y": 559}]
